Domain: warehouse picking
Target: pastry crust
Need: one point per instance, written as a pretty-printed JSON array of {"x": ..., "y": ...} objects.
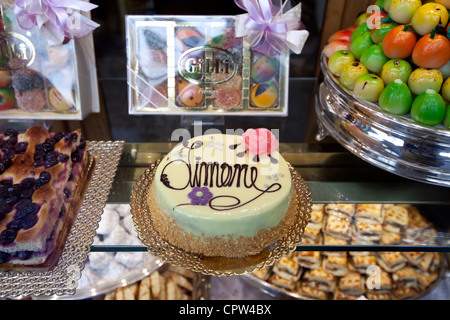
[
  {"x": 414, "y": 257},
  {"x": 339, "y": 295},
  {"x": 63, "y": 226}
]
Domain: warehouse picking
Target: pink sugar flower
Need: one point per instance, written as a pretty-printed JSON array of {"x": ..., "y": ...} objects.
[{"x": 260, "y": 141}]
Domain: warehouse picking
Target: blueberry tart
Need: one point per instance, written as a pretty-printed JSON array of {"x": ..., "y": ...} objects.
[{"x": 42, "y": 179}]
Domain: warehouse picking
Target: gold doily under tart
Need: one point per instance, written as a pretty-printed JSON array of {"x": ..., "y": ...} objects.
[
  {"x": 63, "y": 278},
  {"x": 217, "y": 266}
]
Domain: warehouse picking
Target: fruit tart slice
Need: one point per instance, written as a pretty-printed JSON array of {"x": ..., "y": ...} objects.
[{"x": 42, "y": 178}]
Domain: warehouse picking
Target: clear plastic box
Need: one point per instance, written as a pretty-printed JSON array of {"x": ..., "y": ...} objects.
[{"x": 194, "y": 65}]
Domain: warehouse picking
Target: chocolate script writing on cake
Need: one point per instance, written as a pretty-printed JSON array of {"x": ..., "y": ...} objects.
[{"x": 214, "y": 174}]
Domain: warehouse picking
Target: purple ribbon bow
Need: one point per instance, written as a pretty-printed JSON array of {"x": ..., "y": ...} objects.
[
  {"x": 267, "y": 28},
  {"x": 56, "y": 19}
]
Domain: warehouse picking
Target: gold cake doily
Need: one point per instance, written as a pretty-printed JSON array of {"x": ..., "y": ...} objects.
[
  {"x": 217, "y": 266},
  {"x": 63, "y": 278}
]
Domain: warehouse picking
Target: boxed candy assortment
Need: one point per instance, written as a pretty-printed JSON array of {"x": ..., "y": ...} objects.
[
  {"x": 198, "y": 65},
  {"x": 44, "y": 80}
]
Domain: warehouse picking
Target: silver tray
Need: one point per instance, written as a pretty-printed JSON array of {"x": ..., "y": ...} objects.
[
  {"x": 63, "y": 278},
  {"x": 394, "y": 143},
  {"x": 102, "y": 286},
  {"x": 280, "y": 293}
]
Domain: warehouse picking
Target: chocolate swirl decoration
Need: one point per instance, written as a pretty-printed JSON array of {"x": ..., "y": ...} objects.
[
  {"x": 272, "y": 188},
  {"x": 217, "y": 175}
]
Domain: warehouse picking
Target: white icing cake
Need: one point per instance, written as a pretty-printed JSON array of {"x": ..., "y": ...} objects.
[{"x": 217, "y": 186}]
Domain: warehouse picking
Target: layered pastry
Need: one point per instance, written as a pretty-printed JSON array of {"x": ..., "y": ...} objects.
[
  {"x": 381, "y": 283},
  {"x": 311, "y": 292},
  {"x": 311, "y": 234},
  {"x": 362, "y": 263},
  {"x": 414, "y": 257},
  {"x": 390, "y": 238},
  {"x": 369, "y": 213},
  {"x": 223, "y": 195},
  {"x": 317, "y": 217},
  {"x": 425, "y": 279},
  {"x": 339, "y": 295},
  {"x": 333, "y": 241},
  {"x": 262, "y": 274},
  {"x": 41, "y": 179},
  {"x": 396, "y": 218},
  {"x": 368, "y": 231},
  {"x": 338, "y": 227},
  {"x": 379, "y": 296},
  {"x": 419, "y": 228},
  {"x": 405, "y": 293},
  {"x": 282, "y": 282},
  {"x": 308, "y": 259},
  {"x": 286, "y": 273},
  {"x": 376, "y": 275},
  {"x": 336, "y": 265},
  {"x": 391, "y": 261},
  {"x": 320, "y": 279},
  {"x": 288, "y": 268},
  {"x": 425, "y": 262},
  {"x": 352, "y": 284},
  {"x": 405, "y": 278},
  {"x": 342, "y": 210}
]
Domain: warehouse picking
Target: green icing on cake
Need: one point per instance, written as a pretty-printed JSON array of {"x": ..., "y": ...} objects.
[{"x": 212, "y": 186}]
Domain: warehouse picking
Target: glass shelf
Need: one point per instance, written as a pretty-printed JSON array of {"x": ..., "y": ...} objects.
[{"x": 332, "y": 174}]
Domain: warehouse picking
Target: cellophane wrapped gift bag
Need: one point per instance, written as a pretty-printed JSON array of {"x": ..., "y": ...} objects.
[{"x": 47, "y": 61}]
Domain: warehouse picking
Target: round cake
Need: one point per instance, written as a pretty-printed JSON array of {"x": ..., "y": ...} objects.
[{"x": 223, "y": 195}]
